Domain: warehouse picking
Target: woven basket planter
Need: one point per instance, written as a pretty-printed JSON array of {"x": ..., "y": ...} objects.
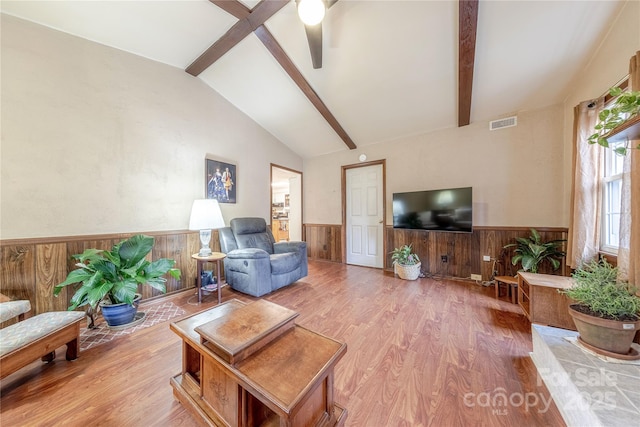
[{"x": 408, "y": 272}]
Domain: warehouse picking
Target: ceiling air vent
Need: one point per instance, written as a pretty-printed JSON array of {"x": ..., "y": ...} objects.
[{"x": 503, "y": 123}]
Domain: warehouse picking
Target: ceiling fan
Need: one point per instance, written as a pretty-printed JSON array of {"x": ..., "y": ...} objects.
[
  {"x": 312, "y": 13},
  {"x": 252, "y": 21}
]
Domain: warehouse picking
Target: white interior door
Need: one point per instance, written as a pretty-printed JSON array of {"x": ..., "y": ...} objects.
[{"x": 364, "y": 216}]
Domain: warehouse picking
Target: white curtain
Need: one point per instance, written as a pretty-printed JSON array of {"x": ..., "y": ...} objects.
[
  {"x": 585, "y": 213},
  {"x": 584, "y": 229},
  {"x": 629, "y": 250}
]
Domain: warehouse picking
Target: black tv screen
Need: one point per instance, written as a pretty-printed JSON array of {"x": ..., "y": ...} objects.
[{"x": 438, "y": 210}]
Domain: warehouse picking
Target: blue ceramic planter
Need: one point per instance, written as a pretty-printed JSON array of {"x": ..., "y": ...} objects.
[{"x": 120, "y": 314}]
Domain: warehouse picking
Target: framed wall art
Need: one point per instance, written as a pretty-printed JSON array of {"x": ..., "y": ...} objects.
[{"x": 221, "y": 182}]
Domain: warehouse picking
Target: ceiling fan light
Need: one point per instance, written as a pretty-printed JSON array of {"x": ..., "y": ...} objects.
[{"x": 311, "y": 12}]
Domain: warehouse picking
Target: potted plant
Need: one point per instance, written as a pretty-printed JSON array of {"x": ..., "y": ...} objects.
[
  {"x": 532, "y": 251},
  {"x": 111, "y": 278},
  {"x": 406, "y": 263},
  {"x": 606, "y": 311},
  {"x": 625, "y": 108}
]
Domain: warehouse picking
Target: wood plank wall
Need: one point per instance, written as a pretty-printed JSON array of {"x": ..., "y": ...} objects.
[
  {"x": 30, "y": 268},
  {"x": 463, "y": 250},
  {"x": 324, "y": 241}
]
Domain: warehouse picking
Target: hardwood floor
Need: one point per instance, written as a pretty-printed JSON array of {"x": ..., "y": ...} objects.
[{"x": 422, "y": 353}]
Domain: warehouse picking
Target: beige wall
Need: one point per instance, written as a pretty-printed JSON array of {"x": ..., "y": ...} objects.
[
  {"x": 516, "y": 173},
  {"x": 96, "y": 140},
  {"x": 609, "y": 64},
  {"x": 520, "y": 176}
]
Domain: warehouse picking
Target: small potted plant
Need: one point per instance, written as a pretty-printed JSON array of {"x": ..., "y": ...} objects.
[
  {"x": 406, "y": 263},
  {"x": 532, "y": 251},
  {"x": 110, "y": 279},
  {"x": 606, "y": 311}
]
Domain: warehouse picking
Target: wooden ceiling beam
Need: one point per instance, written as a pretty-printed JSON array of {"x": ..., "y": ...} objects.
[
  {"x": 235, "y": 8},
  {"x": 468, "y": 25},
  {"x": 289, "y": 67},
  {"x": 241, "y": 29},
  {"x": 230, "y": 39}
]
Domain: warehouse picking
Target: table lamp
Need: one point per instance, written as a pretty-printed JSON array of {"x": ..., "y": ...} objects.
[{"x": 205, "y": 216}]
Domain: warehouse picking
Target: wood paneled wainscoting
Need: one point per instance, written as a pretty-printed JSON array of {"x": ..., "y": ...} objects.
[
  {"x": 31, "y": 268},
  {"x": 464, "y": 251},
  {"x": 324, "y": 241}
]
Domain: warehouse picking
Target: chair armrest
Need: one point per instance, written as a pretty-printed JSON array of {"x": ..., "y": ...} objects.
[
  {"x": 283, "y": 247},
  {"x": 249, "y": 253}
]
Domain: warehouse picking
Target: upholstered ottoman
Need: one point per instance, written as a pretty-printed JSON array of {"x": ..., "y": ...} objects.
[{"x": 39, "y": 336}]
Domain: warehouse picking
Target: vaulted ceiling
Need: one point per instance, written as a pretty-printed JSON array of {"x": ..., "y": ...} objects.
[{"x": 389, "y": 68}]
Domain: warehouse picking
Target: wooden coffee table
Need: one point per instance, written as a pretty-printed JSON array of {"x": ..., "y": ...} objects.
[{"x": 250, "y": 364}]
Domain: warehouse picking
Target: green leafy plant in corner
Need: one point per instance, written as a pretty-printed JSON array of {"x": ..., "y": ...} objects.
[
  {"x": 532, "y": 251},
  {"x": 404, "y": 256},
  {"x": 599, "y": 293},
  {"x": 625, "y": 107},
  {"x": 114, "y": 275}
]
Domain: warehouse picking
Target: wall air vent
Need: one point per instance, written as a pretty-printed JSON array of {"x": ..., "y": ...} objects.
[{"x": 503, "y": 123}]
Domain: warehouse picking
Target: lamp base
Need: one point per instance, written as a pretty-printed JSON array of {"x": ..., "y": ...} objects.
[
  {"x": 205, "y": 252},
  {"x": 205, "y": 238}
]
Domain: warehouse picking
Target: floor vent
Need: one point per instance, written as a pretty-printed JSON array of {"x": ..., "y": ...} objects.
[{"x": 503, "y": 123}]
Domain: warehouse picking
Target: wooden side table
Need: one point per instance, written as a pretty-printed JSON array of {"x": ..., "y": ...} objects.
[
  {"x": 201, "y": 261},
  {"x": 541, "y": 302},
  {"x": 511, "y": 284}
]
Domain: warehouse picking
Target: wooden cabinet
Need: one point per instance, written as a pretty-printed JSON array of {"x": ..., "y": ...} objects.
[
  {"x": 251, "y": 365},
  {"x": 541, "y": 302},
  {"x": 280, "y": 229}
]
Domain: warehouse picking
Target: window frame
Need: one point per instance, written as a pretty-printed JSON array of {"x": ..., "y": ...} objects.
[{"x": 610, "y": 160}]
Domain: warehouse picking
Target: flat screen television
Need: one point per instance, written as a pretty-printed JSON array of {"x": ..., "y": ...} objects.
[{"x": 437, "y": 210}]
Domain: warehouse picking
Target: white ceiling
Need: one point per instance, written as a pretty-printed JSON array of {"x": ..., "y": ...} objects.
[{"x": 389, "y": 67}]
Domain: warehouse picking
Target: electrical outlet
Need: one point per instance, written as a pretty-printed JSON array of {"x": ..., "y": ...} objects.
[
  {"x": 476, "y": 277},
  {"x": 444, "y": 258},
  {"x": 486, "y": 258}
]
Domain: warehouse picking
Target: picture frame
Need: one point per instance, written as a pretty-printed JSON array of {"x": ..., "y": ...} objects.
[{"x": 221, "y": 181}]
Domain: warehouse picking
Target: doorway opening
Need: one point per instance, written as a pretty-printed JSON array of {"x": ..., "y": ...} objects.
[{"x": 286, "y": 203}]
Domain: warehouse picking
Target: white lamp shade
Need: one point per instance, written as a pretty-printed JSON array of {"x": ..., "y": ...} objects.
[
  {"x": 206, "y": 215},
  {"x": 311, "y": 12}
]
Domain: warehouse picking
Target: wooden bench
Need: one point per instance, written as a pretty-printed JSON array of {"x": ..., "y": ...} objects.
[
  {"x": 11, "y": 309},
  {"x": 39, "y": 336}
]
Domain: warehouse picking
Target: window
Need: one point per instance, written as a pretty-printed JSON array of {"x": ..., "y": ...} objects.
[{"x": 611, "y": 186}]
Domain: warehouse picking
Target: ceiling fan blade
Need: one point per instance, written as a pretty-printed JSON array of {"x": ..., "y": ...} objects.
[{"x": 314, "y": 37}]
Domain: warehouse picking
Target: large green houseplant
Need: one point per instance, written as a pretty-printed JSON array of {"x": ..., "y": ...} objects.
[
  {"x": 406, "y": 262},
  {"x": 112, "y": 277},
  {"x": 625, "y": 107},
  {"x": 532, "y": 251},
  {"x": 606, "y": 311}
]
